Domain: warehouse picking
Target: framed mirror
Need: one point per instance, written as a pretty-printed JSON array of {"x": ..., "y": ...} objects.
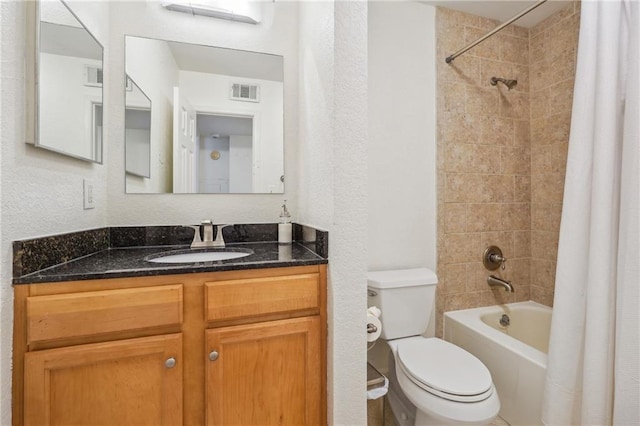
[
  {"x": 68, "y": 84},
  {"x": 137, "y": 124},
  {"x": 217, "y": 118}
]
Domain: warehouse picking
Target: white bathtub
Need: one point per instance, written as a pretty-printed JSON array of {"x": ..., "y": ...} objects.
[{"x": 516, "y": 355}]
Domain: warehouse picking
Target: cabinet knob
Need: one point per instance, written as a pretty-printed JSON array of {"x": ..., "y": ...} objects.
[
  {"x": 213, "y": 355},
  {"x": 170, "y": 362}
]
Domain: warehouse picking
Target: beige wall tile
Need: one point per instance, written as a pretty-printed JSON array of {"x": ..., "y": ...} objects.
[
  {"x": 460, "y": 128},
  {"x": 543, "y": 273},
  {"x": 466, "y": 158},
  {"x": 482, "y": 101},
  {"x": 522, "y": 244},
  {"x": 497, "y": 188},
  {"x": 496, "y": 131},
  {"x": 463, "y": 188},
  {"x": 460, "y": 248},
  {"x": 514, "y": 49},
  {"x": 522, "y": 189},
  {"x": 454, "y": 278},
  {"x": 544, "y": 245},
  {"x": 514, "y": 104},
  {"x": 516, "y": 217},
  {"x": 542, "y": 295},
  {"x": 483, "y": 217},
  {"x": 546, "y": 216},
  {"x": 455, "y": 217},
  {"x": 477, "y": 276},
  {"x": 515, "y": 160}
]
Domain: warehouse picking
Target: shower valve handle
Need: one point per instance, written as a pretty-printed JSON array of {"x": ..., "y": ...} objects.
[{"x": 493, "y": 259}]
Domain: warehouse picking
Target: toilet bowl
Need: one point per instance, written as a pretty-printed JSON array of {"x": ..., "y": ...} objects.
[
  {"x": 433, "y": 382},
  {"x": 447, "y": 385}
]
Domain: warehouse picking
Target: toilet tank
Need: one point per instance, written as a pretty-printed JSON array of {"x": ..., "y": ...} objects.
[{"x": 406, "y": 298}]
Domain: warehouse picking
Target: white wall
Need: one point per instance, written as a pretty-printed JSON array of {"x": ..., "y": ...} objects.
[
  {"x": 276, "y": 34},
  {"x": 402, "y": 136},
  {"x": 41, "y": 191},
  {"x": 333, "y": 186}
]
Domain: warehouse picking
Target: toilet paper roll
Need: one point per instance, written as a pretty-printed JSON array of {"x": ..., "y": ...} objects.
[{"x": 377, "y": 326}]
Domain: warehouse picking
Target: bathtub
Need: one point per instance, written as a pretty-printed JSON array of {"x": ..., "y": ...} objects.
[{"x": 516, "y": 355}]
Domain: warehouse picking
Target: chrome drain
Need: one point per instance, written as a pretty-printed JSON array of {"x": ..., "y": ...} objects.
[{"x": 505, "y": 320}]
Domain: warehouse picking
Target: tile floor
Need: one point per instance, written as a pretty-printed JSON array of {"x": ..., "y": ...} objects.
[{"x": 379, "y": 414}]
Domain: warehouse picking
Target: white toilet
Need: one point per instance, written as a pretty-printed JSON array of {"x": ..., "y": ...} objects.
[{"x": 446, "y": 384}]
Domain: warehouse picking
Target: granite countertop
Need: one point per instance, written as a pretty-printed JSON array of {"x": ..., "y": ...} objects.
[{"x": 50, "y": 259}]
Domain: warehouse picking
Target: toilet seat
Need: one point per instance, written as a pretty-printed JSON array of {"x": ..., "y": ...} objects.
[{"x": 444, "y": 370}]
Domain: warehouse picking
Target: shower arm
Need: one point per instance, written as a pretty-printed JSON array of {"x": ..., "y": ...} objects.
[{"x": 450, "y": 58}]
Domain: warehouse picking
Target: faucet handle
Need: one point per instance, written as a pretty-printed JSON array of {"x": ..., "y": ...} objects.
[
  {"x": 219, "y": 241},
  {"x": 197, "y": 242}
]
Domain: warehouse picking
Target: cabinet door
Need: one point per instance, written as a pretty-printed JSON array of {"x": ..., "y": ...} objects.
[
  {"x": 126, "y": 382},
  {"x": 265, "y": 374}
]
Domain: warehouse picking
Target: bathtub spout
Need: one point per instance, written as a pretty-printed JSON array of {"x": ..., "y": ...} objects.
[{"x": 495, "y": 281}]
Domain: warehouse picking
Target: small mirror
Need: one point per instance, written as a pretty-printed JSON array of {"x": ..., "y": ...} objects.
[
  {"x": 68, "y": 84},
  {"x": 137, "y": 123},
  {"x": 217, "y": 118}
]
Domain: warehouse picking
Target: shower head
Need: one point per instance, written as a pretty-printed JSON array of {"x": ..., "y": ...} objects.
[{"x": 509, "y": 83}]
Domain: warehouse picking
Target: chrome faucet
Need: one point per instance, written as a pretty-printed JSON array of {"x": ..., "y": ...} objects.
[
  {"x": 207, "y": 235},
  {"x": 495, "y": 281}
]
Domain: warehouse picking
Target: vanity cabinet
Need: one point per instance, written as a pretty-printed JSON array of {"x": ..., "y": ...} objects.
[
  {"x": 217, "y": 348},
  {"x": 105, "y": 381},
  {"x": 267, "y": 371}
]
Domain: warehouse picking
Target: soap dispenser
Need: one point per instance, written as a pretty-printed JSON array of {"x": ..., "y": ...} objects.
[{"x": 284, "y": 226}]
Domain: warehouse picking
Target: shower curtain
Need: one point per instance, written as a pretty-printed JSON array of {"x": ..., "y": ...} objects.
[{"x": 592, "y": 373}]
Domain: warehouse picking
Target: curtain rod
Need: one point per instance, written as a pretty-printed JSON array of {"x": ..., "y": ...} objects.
[{"x": 450, "y": 58}]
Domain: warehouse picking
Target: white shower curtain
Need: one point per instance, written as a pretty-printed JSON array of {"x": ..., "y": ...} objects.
[{"x": 592, "y": 372}]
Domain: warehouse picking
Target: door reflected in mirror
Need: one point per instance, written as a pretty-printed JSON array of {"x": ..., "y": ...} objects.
[
  {"x": 216, "y": 120},
  {"x": 69, "y": 84},
  {"x": 137, "y": 124}
]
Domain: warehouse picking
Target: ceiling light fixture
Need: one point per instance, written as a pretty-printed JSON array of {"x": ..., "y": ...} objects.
[{"x": 231, "y": 10}]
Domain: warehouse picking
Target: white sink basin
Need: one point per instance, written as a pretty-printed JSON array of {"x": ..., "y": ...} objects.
[{"x": 202, "y": 256}]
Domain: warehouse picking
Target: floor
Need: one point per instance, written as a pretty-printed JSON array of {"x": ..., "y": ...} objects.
[{"x": 379, "y": 414}]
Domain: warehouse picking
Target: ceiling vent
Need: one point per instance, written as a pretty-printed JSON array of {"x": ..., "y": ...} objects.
[{"x": 245, "y": 92}]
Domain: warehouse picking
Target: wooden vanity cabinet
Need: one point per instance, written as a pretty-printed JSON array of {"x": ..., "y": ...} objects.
[{"x": 234, "y": 347}]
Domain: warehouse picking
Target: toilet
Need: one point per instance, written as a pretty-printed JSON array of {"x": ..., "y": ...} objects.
[{"x": 432, "y": 382}]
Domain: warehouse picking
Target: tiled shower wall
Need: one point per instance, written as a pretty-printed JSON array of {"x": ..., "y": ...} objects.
[
  {"x": 552, "y": 62},
  {"x": 501, "y": 155}
]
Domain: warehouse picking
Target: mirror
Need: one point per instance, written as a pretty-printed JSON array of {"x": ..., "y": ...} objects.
[
  {"x": 216, "y": 125},
  {"x": 137, "y": 124},
  {"x": 68, "y": 84}
]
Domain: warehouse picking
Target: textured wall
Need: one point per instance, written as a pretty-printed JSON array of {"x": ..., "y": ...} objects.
[
  {"x": 41, "y": 191},
  {"x": 483, "y": 161},
  {"x": 553, "y": 47},
  {"x": 502, "y": 154},
  {"x": 333, "y": 171}
]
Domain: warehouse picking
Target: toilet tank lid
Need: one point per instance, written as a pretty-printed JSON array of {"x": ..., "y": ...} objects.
[{"x": 401, "y": 278}]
